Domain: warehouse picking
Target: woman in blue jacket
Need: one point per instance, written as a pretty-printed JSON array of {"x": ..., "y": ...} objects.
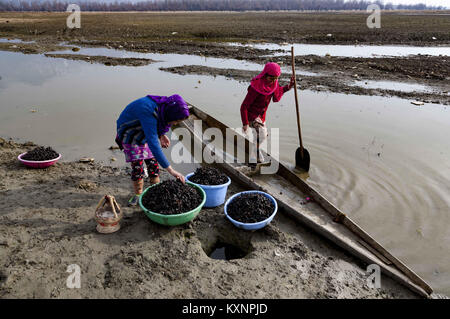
[{"x": 141, "y": 130}]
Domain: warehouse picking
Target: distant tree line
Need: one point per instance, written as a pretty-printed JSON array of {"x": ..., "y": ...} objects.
[{"x": 205, "y": 5}]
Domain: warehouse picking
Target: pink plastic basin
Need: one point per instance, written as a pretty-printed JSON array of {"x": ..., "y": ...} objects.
[{"x": 38, "y": 164}]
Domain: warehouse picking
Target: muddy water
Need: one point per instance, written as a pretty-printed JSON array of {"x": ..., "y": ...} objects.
[
  {"x": 382, "y": 160},
  {"x": 385, "y": 163}
]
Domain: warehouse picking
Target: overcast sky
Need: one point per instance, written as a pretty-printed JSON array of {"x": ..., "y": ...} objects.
[{"x": 444, "y": 3}]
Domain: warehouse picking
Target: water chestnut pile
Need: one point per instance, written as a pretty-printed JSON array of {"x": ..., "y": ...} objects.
[
  {"x": 250, "y": 208},
  {"x": 171, "y": 197},
  {"x": 41, "y": 154},
  {"x": 208, "y": 176}
]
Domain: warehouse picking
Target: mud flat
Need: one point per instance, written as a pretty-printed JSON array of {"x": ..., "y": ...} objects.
[
  {"x": 131, "y": 28},
  {"x": 102, "y": 59},
  {"x": 47, "y": 224}
]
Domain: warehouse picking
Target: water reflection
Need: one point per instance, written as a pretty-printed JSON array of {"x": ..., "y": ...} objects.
[{"x": 32, "y": 70}]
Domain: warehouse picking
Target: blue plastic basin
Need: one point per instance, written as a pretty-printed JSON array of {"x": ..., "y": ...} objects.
[
  {"x": 215, "y": 194},
  {"x": 251, "y": 226}
]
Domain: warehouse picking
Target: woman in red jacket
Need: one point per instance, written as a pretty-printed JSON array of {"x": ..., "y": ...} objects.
[{"x": 263, "y": 88}]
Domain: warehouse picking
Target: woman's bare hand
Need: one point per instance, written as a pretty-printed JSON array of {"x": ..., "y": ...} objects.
[
  {"x": 180, "y": 177},
  {"x": 292, "y": 83},
  {"x": 165, "y": 141},
  {"x": 176, "y": 174}
]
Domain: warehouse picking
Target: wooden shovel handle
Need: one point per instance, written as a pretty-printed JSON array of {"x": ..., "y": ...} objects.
[{"x": 296, "y": 101}]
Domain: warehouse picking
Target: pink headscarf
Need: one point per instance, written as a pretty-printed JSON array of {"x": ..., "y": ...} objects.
[{"x": 261, "y": 85}]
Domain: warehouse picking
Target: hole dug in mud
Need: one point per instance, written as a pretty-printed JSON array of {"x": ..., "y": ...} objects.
[
  {"x": 226, "y": 247},
  {"x": 3, "y": 278},
  {"x": 226, "y": 251}
]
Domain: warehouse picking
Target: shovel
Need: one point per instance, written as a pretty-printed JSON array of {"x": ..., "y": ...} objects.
[{"x": 302, "y": 158}]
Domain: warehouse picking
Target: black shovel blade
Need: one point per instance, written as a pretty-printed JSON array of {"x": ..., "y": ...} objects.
[{"x": 302, "y": 161}]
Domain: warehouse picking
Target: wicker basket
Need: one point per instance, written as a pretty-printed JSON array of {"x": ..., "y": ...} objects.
[{"x": 108, "y": 215}]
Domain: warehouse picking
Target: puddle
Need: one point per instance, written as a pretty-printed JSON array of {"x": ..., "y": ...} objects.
[
  {"x": 224, "y": 251},
  {"x": 391, "y": 85},
  {"x": 3, "y": 40},
  {"x": 358, "y": 51}
]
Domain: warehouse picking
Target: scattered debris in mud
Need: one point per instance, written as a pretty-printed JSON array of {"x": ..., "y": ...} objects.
[
  {"x": 88, "y": 186},
  {"x": 208, "y": 176},
  {"x": 171, "y": 197},
  {"x": 41, "y": 153},
  {"x": 250, "y": 208},
  {"x": 86, "y": 160},
  {"x": 109, "y": 61}
]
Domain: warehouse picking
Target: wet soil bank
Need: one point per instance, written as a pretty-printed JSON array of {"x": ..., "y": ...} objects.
[
  {"x": 339, "y": 82},
  {"x": 32, "y": 48},
  {"x": 47, "y": 223},
  {"x": 103, "y": 59}
]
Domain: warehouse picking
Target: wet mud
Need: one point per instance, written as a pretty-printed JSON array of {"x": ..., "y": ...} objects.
[
  {"x": 109, "y": 61},
  {"x": 40, "y": 238}
]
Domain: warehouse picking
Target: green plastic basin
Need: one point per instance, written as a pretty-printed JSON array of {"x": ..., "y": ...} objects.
[{"x": 177, "y": 219}]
